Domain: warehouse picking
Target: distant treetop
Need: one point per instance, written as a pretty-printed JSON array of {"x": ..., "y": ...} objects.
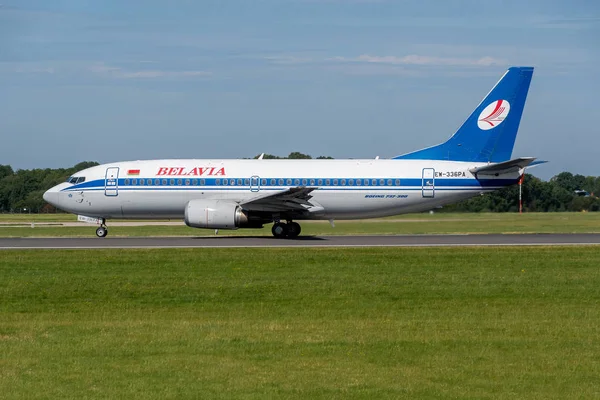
[{"x": 295, "y": 155}]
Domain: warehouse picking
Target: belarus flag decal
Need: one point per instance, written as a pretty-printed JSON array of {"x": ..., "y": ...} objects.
[{"x": 133, "y": 172}]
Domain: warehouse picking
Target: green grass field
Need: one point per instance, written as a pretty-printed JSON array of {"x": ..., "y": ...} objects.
[
  {"x": 406, "y": 224},
  {"x": 461, "y": 323}
]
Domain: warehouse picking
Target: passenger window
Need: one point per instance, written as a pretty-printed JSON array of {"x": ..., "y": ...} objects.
[
  {"x": 328, "y": 182},
  {"x": 134, "y": 182},
  {"x": 389, "y": 182},
  {"x": 312, "y": 182},
  {"x": 304, "y": 182},
  {"x": 187, "y": 182},
  {"x": 194, "y": 182},
  {"x": 272, "y": 182},
  {"x": 358, "y": 182},
  {"x": 127, "y": 182},
  {"x": 374, "y": 182},
  {"x": 263, "y": 182},
  {"x": 164, "y": 182},
  {"x": 149, "y": 182},
  {"x": 397, "y": 182},
  {"x": 217, "y": 181},
  {"x": 280, "y": 182},
  {"x": 343, "y": 182},
  {"x": 202, "y": 182},
  {"x": 225, "y": 182},
  {"x": 247, "y": 182},
  {"x": 350, "y": 182},
  {"x": 335, "y": 182},
  {"x": 289, "y": 182},
  {"x": 320, "y": 182},
  {"x": 179, "y": 182},
  {"x": 172, "y": 182},
  {"x": 157, "y": 182},
  {"x": 381, "y": 182},
  {"x": 240, "y": 182}
]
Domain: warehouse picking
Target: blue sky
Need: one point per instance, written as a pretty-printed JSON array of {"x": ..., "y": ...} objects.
[{"x": 120, "y": 80}]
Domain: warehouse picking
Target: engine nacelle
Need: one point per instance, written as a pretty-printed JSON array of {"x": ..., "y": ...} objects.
[{"x": 217, "y": 214}]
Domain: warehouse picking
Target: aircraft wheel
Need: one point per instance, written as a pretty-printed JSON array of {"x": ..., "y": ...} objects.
[
  {"x": 101, "y": 232},
  {"x": 279, "y": 230},
  {"x": 294, "y": 230}
]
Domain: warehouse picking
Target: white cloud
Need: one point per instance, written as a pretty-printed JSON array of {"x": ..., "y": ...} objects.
[
  {"x": 117, "y": 72},
  {"x": 340, "y": 1},
  {"x": 102, "y": 69},
  {"x": 34, "y": 70},
  {"x": 414, "y": 59},
  {"x": 288, "y": 59}
]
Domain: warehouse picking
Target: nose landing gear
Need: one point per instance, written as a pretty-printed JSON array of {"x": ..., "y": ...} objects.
[
  {"x": 282, "y": 230},
  {"x": 102, "y": 230}
]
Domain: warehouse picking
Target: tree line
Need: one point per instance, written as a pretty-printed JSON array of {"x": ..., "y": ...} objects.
[
  {"x": 22, "y": 190},
  {"x": 563, "y": 192}
]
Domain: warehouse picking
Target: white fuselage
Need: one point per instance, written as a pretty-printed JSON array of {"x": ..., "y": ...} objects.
[{"x": 345, "y": 189}]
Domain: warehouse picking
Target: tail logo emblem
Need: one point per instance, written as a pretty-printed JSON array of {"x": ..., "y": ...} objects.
[{"x": 493, "y": 115}]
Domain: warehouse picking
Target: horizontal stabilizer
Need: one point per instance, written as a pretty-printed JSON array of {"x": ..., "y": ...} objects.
[
  {"x": 505, "y": 167},
  {"x": 536, "y": 163}
]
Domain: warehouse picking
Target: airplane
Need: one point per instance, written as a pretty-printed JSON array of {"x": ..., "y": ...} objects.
[{"x": 232, "y": 194}]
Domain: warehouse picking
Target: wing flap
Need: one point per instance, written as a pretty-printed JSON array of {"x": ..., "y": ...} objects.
[{"x": 292, "y": 199}]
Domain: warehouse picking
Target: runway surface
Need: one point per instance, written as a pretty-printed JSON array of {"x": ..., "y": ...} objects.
[{"x": 307, "y": 241}]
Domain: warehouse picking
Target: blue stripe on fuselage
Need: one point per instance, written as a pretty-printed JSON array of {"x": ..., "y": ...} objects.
[{"x": 211, "y": 184}]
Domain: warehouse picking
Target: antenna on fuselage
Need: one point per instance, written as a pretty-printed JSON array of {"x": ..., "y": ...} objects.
[{"x": 261, "y": 156}]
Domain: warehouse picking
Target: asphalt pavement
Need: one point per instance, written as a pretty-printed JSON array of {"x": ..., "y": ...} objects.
[{"x": 303, "y": 241}]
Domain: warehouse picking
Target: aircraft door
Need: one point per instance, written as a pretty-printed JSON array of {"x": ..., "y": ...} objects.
[
  {"x": 428, "y": 183},
  {"x": 111, "y": 182},
  {"x": 254, "y": 183}
]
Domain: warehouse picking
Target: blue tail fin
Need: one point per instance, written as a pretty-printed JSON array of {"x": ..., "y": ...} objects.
[{"x": 488, "y": 135}]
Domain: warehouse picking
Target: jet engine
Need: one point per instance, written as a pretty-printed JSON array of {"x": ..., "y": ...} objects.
[{"x": 218, "y": 214}]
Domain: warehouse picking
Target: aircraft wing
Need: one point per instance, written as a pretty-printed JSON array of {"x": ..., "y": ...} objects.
[
  {"x": 505, "y": 167},
  {"x": 292, "y": 199}
]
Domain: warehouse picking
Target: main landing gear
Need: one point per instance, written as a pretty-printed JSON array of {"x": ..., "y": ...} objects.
[
  {"x": 282, "y": 230},
  {"x": 102, "y": 230}
]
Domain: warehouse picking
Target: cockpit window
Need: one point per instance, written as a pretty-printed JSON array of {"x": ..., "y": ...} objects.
[{"x": 76, "y": 179}]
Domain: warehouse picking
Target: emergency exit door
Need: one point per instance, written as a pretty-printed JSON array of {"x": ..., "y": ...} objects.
[
  {"x": 255, "y": 183},
  {"x": 428, "y": 183}
]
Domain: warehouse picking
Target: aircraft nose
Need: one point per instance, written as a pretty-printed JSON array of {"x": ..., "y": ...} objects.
[{"x": 51, "y": 196}]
